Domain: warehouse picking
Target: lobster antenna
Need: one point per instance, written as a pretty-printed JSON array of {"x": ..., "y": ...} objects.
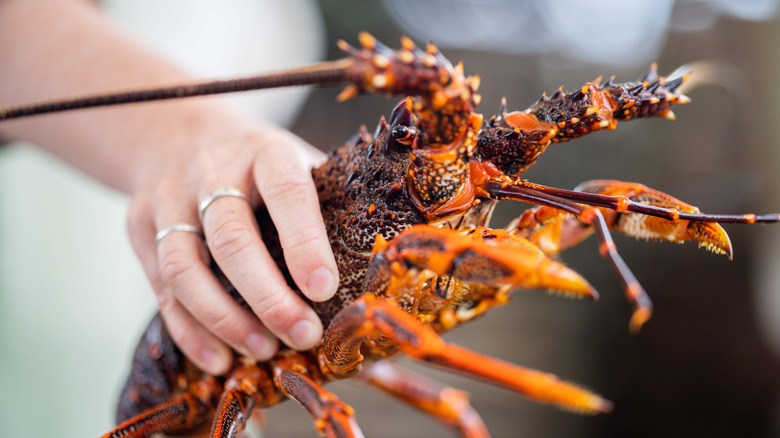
[{"x": 325, "y": 73}]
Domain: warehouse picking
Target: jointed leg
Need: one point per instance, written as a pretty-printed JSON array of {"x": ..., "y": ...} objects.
[
  {"x": 332, "y": 417},
  {"x": 447, "y": 404},
  {"x": 451, "y": 276},
  {"x": 592, "y": 216},
  {"x": 183, "y": 412},
  {"x": 554, "y": 228},
  {"x": 247, "y": 386},
  {"x": 370, "y": 316},
  {"x": 485, "y": 257}
]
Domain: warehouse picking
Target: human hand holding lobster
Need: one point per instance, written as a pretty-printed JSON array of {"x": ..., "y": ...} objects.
[
  {"x": 169, "y": 157},
  {"x": 272, "y": 166}
]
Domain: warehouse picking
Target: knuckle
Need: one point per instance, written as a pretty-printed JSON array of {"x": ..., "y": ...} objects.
[
  {"x": 273, "y": 308},
  {"x": 168, "y": 189},
  {"x": 290, "y": 189},
  {"x": 220, "y": 158},
  {"x": 179, "y": 335},
  {"x": 230, "y": 238},
  {"x": 174, "y": 326},
  {"x": 165, "y": 302},
  {"x": 221, "y": 322},
  {"x": 267, "y": 138},
  {"x": 303, "y": 237},
  {"x": 175, "y": 266},
  {"x": 208, "y": 157}
]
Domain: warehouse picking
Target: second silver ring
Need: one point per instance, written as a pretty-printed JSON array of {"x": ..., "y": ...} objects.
[
  {"x": 219, "y": 193},
  {"x": 178, "y": 226}
]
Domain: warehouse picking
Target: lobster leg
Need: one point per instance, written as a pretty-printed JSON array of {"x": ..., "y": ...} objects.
[
  {"x": 247, "y": 387},
  {"x": 332, "y": 417},
  {"x": 482, "y": 258},
  {"x": 646, "y": 201},
  {"x": 445, "y": 268},
  {"x": 522, "y": 191},
  {"x": 447, "y": 404},
  {"x": 371, "y": 317},
  {"x": 182, "y": 412}
]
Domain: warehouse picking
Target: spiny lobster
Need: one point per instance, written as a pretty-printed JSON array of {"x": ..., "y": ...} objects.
[{"x": 407, "y": 209}]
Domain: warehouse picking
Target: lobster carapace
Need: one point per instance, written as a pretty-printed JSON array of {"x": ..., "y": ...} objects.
[{"x": 407, "y": 210}]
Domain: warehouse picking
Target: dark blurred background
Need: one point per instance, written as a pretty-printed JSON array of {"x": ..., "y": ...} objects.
[
  {"x": 73, "y": 298},
  {"x": 703, "y": 365}
]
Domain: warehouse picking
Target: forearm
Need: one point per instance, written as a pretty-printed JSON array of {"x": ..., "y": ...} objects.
[{"x": 60, "y": 48}]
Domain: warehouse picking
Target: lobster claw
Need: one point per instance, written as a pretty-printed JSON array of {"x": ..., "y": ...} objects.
[{"x": 711, "y": 236}]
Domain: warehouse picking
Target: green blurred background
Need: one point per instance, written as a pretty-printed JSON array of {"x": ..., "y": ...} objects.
[{"x": 705, "y": 365}]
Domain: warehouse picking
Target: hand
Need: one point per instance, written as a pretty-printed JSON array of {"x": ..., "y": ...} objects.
[{"x": 272, "y": 167}]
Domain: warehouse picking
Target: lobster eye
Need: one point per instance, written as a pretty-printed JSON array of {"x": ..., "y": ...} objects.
[{"x": 404, "y": 134}]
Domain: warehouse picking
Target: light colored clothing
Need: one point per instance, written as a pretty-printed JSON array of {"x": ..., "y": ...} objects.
[{"x": 73, "y": 297}]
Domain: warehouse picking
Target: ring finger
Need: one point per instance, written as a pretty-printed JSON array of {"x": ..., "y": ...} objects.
[{"x": 183, "y": 264}]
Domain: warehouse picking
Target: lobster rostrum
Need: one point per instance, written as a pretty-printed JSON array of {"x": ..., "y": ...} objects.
[{"x": 407, "y": 209}]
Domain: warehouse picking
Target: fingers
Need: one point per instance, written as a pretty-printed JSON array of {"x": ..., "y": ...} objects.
[
  {"x": 286, "y": 186},
  {"x": 197, "y": 343},
  {"x": 204, "y": 320},
  {"x": 183, "y": 268},
  {"x": 183, "y": 264},
  {"x": 232, "y": 237},
  {"x": 200, "y": 316},
  {"x": 193, "y": 339}
]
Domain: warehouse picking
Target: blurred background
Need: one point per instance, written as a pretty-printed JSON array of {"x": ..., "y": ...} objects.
[{"x": 73, "y": 300}]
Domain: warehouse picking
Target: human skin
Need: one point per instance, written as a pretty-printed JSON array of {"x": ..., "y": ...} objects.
[{"x": 168, "y": 156}]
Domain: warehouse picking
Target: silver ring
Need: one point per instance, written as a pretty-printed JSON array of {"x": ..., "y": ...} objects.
[
  {"x": 178, "y": 226},
  {"x": 219, "y": 193}
]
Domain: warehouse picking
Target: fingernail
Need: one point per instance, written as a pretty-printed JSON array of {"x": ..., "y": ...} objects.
[
  {"x": 260, "y": 346},
  {"x": 215, "y": 364},
  {"x": 304, "y": 334},
  {"x": 321, "y": 284}
]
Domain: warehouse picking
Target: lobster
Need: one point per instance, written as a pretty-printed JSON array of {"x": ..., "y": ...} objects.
[{"x": 407, "y": 210}]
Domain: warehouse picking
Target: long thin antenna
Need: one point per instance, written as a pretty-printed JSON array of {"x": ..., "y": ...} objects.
[{"x": 326, "y": 73}]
